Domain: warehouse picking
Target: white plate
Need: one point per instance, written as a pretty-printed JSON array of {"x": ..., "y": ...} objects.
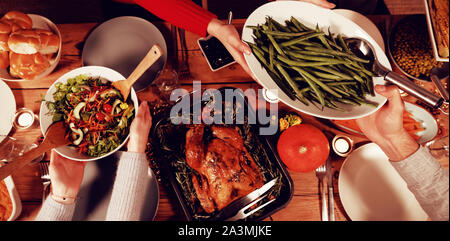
[
  {"x": 364, "y": 23},
  {"x": 427, "y": 122},
  {"x": 311, "y": 15},
  {"x": 371, "y": 189},
  {"x": 39, "y": 22},
  {"x": 46, "y": 119},
  {"x": 121, "y": 43},
  {"x": 96, "y": 190},
  {"x": 7, "y": 109}
]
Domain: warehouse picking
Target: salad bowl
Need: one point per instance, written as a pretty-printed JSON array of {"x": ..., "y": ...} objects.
[{"x": 46, "y": 115}]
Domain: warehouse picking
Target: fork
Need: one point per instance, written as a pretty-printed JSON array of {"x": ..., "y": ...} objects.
[
  {"x": 241, "y": 214},
  {"x": 183, "y": 71},
  {"x": 320, "y": 174},
  {"x": 45, "y": 177}
]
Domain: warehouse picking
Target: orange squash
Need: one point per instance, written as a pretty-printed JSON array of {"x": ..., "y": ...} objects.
[{"x": 303, "y": 148}]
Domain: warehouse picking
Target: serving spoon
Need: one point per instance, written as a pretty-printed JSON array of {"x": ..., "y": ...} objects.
[
  {"x": 364, "y": 49},
  {"x": 55, "y": 137},
  {"x": 124, "y": 86}
]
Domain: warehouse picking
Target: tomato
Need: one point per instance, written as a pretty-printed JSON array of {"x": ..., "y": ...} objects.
[
  {"x": 303, "y": 148},
  {"x": 107, "y": 108},
  {"x": 100, "y": 116}
]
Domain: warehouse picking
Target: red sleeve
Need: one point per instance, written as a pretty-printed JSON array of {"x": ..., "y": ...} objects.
[{"x": 181, "y": 13}]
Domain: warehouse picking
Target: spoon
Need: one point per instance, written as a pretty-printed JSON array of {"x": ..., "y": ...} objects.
[
  {"x": 55, "y": 137},
  {"x": 124, "y": 86},
  {"x": 436, "y": 75},
  {"x": 364, "y": 49}
]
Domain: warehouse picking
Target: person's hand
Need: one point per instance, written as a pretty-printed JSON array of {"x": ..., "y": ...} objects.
[
  {"x": 66, "y": 176},
  {"x": 229, "y": 37},
  {"x": 320, "y": 3},
  {"x": 139, "y": 129},
  {"x": 385, "y": 127}
]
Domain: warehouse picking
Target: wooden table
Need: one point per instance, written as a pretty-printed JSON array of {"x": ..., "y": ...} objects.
[{"x": 305, "y": 204}]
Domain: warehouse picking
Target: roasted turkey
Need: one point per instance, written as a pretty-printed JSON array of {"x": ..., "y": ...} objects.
[{"x": 225, "y": 169}]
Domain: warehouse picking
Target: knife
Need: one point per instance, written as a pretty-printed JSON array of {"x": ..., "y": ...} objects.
[
  {"x": 242, "y": 202},
  {"x": 329, "y": 175}
]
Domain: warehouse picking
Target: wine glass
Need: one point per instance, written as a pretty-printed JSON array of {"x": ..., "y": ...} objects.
[
  {"x": 11, "y": 148},
  {"x": 166, "y": 82},
  {"x": 439, "y": 147}
]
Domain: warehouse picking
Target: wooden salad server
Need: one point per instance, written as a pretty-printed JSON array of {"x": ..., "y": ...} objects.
[
  {"x": 55, "y": 137},
  {"x": 124, "y": 86}
]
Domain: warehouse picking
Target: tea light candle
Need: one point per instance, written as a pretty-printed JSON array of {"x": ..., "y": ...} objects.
[
  {"x": 25, "y": 119},
  {"x": 342, "y": 145}
]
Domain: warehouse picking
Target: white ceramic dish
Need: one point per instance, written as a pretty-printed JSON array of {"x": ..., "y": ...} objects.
[
  {"x": 431, "y": 32},
  {"x": 365, "y": 23},
  {"x": 121, "y": 43},
  {"x": 39, "y": 22},
  {"x": 371, "y": 189},
  {"x": 15, "y": 199},
  {"x": 96, "y": 190},
  {"x": 46, "y": 119},
  {"x": 427, "y": 122},
  {"x": 311, "y": 15},
  {"x": 7, "y": 110}
]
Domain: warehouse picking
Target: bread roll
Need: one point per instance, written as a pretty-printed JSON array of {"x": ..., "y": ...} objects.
[
  {"x": 18, "y": 19},
  {"x": 24, "y": 42},
  {"x": 4, "y": 42},
  {"x": 49, "y": 42},
  {"x": 4, "y": 59},
  {"x": 5, "y": 28},
  {"x": 27, "y": 66}
]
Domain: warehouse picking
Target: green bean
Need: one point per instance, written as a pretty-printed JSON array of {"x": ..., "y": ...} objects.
[
  {"x": 277, "y": 25},
  {"x": 334, "y": 52},
  {"x": 341, "y": 83},
  {"x": 343, "y": 44},
  {"x": 278, "y": 33},
  {"x": 299, "y": 25},
  {"x": 292, "y": 83},
  {"x": 274, "y": 43},
  {"x": 300, "y": 39},
  {"x": 271, "y": 56},
  {"x": 341, "y": 91},
  {"x": 308, "y": 64},
  {"x": 312, "y": 85},
  {"x": 334, "y": 72},
  {"x": 305, "y": 74},
  {"x": 308, "y": 57}
]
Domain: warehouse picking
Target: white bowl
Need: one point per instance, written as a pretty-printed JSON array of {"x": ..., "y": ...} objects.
[
  {"x": 15, "y": 199},
  {"x": 39, "y": 22},
  {"x": 45, "y": 117},
  {"x": 311, "y": 15}
]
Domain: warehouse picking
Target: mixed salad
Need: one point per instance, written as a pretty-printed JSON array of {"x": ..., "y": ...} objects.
[{"x": 94, "y": 112}]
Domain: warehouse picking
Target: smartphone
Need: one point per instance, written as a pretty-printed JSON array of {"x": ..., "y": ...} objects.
[{"x": 217, "y": 56}]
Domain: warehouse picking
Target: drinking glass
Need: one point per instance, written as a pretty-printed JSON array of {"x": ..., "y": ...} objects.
[
  {"x": 439, "y": 147},
  {"x": 166, "y": 82},
  {"x": 11, "y": 148}
]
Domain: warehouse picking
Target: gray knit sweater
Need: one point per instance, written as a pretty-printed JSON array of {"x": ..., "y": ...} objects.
[{"x": 127, "y": 198}]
